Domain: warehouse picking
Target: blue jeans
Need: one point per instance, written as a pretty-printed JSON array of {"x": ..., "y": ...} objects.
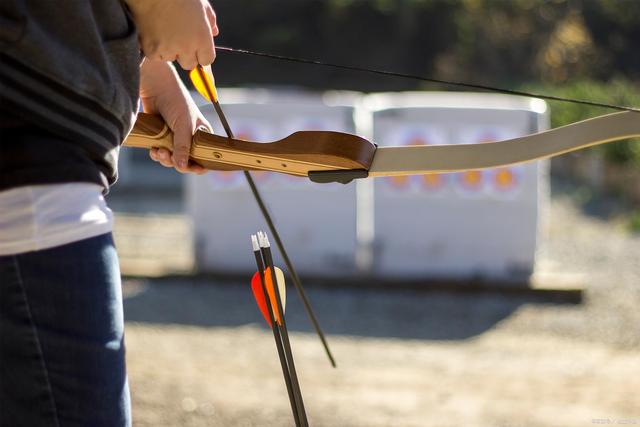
[{"x": 62, "y": 337}]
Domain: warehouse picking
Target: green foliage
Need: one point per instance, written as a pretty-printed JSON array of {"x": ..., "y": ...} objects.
[
  {"x": 495, "y": 42},
  {"x": 619, "y": 92},
  {"x": 634, "y": 222}
]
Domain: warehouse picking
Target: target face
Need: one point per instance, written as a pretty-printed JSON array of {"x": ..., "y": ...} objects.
[
  {"x": 418, "y": 135},
  {"x": 499, "y": 182},
  {"x": 506, "y": 179}
]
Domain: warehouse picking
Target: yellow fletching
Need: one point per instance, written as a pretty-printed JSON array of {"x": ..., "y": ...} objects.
[{"x": 202, "y": 79}]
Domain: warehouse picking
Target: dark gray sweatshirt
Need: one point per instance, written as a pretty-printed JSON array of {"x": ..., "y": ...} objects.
[{"x": 69, "y": 71}]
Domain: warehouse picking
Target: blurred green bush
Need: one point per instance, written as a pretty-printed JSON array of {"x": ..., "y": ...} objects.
[
  {"x": 618, "y": 91},
  {"x": 634, "y": 222}
]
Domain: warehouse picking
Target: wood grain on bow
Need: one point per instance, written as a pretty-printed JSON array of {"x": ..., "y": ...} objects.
[
  {"x": 297, "y": 154},
  {"x": 340, "y": 157}
]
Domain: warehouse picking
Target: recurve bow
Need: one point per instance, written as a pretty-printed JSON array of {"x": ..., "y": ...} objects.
[{"x": 325, "y": 156}]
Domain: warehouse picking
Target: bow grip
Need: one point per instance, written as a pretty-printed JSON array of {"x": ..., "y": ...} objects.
[{"x": 150, "y": 131}]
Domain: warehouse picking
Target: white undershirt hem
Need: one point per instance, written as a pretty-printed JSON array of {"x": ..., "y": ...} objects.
[{"x": 38, "y": 217}]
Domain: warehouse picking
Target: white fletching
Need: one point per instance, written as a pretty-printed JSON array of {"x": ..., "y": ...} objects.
[
  {"x": 262, "y": 238},
  {"x": 254, "y": 243}
]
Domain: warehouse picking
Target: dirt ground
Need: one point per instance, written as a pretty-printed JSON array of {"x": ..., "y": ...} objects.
[{"x": 199, "y": 356}]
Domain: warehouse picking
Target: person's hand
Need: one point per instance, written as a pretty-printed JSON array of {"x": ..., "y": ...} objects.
[
  {"x": 176, "y": 30},
  {"x": 162, "y": 92}
]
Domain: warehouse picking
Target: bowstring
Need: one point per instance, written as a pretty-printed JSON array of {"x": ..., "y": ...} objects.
[{"x": 425, "y": 79}]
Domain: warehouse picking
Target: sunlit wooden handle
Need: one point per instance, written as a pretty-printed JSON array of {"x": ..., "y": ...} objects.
[
  {"x": 297, "y": 154},
  {"x": 150, "y": 131}
]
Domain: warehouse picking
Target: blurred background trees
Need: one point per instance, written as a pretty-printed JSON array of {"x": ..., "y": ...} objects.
[{"x": 491, "y": 41}]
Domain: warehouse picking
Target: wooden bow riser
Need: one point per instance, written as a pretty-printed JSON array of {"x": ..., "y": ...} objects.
[{"x": 297, "y": 154}]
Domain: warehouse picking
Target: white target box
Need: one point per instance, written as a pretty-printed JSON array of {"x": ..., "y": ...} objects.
[
  {"x": 317, "y": 222},
  {"x": 476, "y": 224}
]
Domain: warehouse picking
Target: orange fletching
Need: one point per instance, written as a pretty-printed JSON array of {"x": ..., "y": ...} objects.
[
  {"x": 256, "y": 287},
  {"x": 270, "y": 290}
]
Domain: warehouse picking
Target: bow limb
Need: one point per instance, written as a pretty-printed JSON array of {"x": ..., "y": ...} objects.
[{"x": 418, "y": 160}]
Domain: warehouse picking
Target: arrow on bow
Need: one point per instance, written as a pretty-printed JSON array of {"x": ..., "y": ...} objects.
[{"x": 203, "y": 80}]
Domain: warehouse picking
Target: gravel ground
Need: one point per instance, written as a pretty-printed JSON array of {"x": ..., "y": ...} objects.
[
  {"x": 609, "y": 259},
  {"x": 199, "y": 356}
]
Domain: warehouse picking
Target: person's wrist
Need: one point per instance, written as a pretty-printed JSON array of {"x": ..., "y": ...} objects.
[{"x": 157, "y": 77}]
